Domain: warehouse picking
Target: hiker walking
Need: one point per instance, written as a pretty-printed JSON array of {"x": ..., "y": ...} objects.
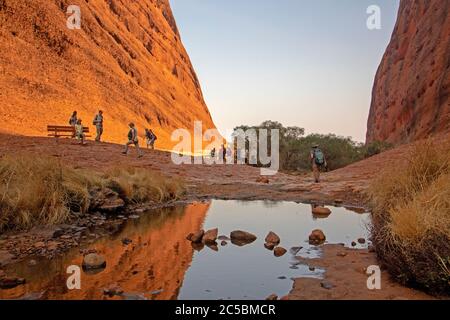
[
  {"x": 98, "y": 123},
  {"x": 318, "y": 162},
  {"x": 151, "y": 137},
  {"x": 133, "y": 139},
  {"x": 223, "y": 153},
  {"x": 79, "y": 132},
  {"x": 73, "y": 122}
]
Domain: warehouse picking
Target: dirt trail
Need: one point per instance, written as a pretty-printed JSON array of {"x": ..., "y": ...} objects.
[{"x": 240, "y": 182}]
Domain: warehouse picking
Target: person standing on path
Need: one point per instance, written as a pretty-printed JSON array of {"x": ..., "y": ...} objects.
[
  {"x": 73, "y": 121},
  {"x": 133, "y": 139},
  {"x": 79, "y": 132},
  {"x": 98, "y": 123},
  {"x": 318, "y": 161}
]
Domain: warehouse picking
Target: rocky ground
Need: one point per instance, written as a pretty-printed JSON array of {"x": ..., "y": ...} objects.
[{"x": 345, "y": 272}]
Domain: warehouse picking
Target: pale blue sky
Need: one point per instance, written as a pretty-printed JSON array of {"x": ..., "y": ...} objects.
[{"x": 308, "y": 63}]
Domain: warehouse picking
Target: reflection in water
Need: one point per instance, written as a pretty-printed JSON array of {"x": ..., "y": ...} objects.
[{"x": 161, "y": 264}]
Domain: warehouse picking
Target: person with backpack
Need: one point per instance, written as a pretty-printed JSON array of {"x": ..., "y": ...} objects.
[
  {"x": 98, "y": 123},
  {"x": 150, "y": 136},
  {"x": 72, "y": 122},
  {"x": 133, "y": 139},
  {"x": 318, "y": 162}
]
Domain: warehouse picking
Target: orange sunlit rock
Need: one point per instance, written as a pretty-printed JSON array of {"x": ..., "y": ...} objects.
[
  {"x": 412, "y": 87},
  {"x": 127, "y": 59}
]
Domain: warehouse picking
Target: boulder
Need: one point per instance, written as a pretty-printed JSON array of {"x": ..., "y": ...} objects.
[
  {"x": 196, "y": 237},
  {"x": 105, "y": 200},
  {"x": 272, "y": 237},
  {"x": 269, "y": 246},
  {"x": 213, "y": 246},
  {"x": 223, "y": 243},
  {"x": 279, "y": 251},
  {"x": 210, "y": 236},
  {"x": 317, "y": 237},
  {"x": 361, "y": 240},
  {"x": 272, "y": 297},
  {"x": 321, "y": 211},
  {"x": 242, "y": 238},
  {"x": 93, "y": 261},
  {"x": 197, "y": 246}
]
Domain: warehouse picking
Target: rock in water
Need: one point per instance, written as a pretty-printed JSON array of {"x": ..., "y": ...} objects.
[
  {"x": 269, "y": 246},
  {"x": 213, "y": 246},
  {"x": 197, "y": 246},
  {"x": 242, "y": 238},
  {"x": 317, "y": 237},
  {"x": 93, "y": 261},
  {"x": 362, "y": 240},
  {"x": 210, "y": 236},
  {"x": 279, "y": 251},
  {"x": 196, "y": 237},
  {"x": 272, "y": 297},
  {"x": 321, "y": 211},
  {"x": 272, "y": 237}
]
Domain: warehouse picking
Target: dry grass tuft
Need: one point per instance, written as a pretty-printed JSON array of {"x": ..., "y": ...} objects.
[
  {"x": 140, "y": 185},
  {"x": 411, "y": 217},
  {"x": 37, "y": 190}
]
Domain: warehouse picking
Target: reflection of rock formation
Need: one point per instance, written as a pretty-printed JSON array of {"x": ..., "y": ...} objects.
[{"x": 157, "y": 259}]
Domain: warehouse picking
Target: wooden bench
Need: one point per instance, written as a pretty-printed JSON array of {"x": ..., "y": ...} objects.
[{"x": 64, "y": 131}]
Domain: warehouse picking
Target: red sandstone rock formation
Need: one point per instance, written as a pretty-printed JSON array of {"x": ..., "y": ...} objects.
[
  {"x": 127, "y": 59},
  {"x": 410, "y": 97}
]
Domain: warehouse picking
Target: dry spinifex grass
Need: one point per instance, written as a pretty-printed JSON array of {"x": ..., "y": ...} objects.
[
  {"x": 41, "y": 190},
  {"x": 411, "y": 217}
]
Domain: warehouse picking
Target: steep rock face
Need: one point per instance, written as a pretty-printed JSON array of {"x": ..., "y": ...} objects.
[
  {"x": 127, "y": 59},
  {"x": 410, "y": 97}
]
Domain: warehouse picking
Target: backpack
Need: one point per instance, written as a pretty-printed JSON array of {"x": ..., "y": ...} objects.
[
  {"x": 319, "y": 158},
  {"x": 130, "y": 135}
]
